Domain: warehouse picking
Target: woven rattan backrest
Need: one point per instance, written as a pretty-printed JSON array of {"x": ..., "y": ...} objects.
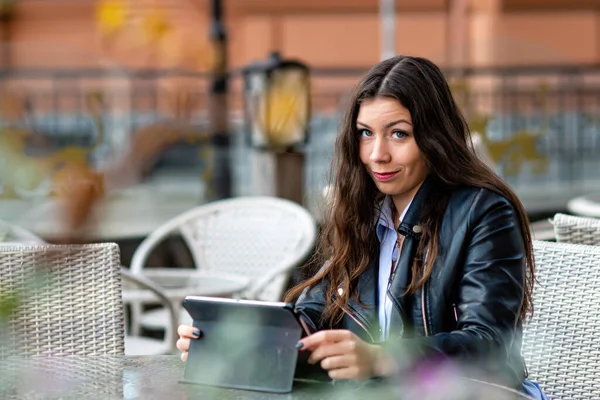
[
  {"x": 61, "y": 300},
  {"x": 561, "y": 345},
  {"x": 576, "y": 230}
]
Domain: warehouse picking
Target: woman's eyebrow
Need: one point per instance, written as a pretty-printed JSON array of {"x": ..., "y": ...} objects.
[
  {"x": 387, "y": 125},
  {"x": 402, "y": 120}
]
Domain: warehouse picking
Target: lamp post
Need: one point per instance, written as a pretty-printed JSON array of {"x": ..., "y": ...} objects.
[
  {"x": 220, "y": 187},
  {"x": 276, "y": 117},
  {"x": 7, "y": 11}
]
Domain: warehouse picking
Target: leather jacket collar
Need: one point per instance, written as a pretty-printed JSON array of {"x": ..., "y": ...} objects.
[{"x": 410, "y": 225}]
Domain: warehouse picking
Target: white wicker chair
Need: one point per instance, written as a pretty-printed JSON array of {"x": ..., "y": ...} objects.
[
  {"x": 259, "y": 238},
  {"x": 576, "y": 230},
  {"x": 561, "y": 345},
  {"x": 74, "y": 307},
  {"x": 67, "y": 300},
  {"x": 13, "y": 235}
]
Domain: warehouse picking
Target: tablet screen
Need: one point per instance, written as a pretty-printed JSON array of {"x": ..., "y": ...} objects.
[{"x": 245, "y": 344}]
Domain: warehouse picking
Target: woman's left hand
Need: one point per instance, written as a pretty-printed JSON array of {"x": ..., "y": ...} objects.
[{"x": 343, "y": 354}]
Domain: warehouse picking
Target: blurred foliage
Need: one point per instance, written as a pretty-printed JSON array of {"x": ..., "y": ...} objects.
[
  {"x": 513, "y": 151},
  {"x": 156, "y": 26},
  {"x": 9, "y": 303},
  {"x": 54, "y": 172},
  {"x": 111, "y": 17}
]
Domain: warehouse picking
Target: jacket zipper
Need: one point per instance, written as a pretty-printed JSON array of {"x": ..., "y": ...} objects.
[
  {"x": 423, "y": 311},
  {"x": 423, "y": 289},
  {"x": 359, "y": 323},
  {"x": 455, "y": 312}
]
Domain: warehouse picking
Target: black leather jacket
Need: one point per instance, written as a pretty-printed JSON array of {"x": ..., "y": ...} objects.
[{"x": 470, "y": 307}]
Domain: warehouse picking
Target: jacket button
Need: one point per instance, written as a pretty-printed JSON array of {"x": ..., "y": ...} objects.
[
  {"x": 417, "y": 229},
  {"x": 340, "y": 291}
]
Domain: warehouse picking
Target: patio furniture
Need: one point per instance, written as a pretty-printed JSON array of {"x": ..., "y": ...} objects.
[
  {"x": 586, "y": 206},
  {"x": 66, "y": 300},
  {"x": 560, "y": 343},
  {"x": 134, "y": 345},
  {"x": 128, "y": 213},
  {"x": 577, "y": 230},
  {"x": 260, "y": 239},
  {"x": 61, "y": 300},
  {"x": 139, "y": 345},
  {"x": 176, "y": 283},
  {"x": 158, "y": 377}
]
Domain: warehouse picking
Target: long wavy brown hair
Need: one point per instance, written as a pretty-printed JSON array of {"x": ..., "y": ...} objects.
[{"x": 348, "y": 239}]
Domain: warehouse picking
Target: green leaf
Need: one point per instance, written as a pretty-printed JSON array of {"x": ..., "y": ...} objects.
[{"x": 8, "y": 304}]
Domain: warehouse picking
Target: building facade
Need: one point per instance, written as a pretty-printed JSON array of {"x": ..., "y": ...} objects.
[
  {"x": 323, "y": 33},
  {"x": 527, "y": 73}
]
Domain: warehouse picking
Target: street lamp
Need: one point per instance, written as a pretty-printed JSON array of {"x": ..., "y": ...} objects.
[
  {"x": 277, "y": 103},
  {"x": 276, "y": 118}
]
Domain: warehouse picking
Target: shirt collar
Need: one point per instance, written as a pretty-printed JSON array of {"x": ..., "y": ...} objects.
[{"x": 385, "y": 221}]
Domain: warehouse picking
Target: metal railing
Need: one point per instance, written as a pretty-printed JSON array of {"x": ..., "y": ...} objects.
[{"x": 541, "y": 124}]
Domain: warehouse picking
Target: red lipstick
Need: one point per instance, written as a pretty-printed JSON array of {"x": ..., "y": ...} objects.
[{"x": 384, "y": 176}]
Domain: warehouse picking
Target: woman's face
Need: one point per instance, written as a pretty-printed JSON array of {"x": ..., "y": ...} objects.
[{"x": 388, "y": 149}]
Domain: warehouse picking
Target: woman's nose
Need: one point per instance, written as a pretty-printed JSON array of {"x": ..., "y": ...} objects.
[{"x": 380, "y": 152}]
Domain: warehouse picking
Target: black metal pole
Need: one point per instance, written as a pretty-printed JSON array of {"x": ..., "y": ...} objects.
[
  {"x": 220, "y": 187},
  {"x": 6, "y": 15}
]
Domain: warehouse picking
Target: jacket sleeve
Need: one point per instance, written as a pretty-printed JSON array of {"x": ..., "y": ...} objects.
[
  {"x": 491, "y": 289},
  {"x": 310, "y": 305}
]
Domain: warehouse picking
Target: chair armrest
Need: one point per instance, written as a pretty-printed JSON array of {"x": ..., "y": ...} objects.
[{"x": 147, "y": 284}]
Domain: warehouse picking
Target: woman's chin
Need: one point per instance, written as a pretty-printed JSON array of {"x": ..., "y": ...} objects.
[{"x": 387, "y": 188}]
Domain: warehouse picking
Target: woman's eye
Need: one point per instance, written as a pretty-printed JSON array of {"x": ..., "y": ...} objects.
[
  {"x": 365, "y": 132},
  {"x": 399, "y": 134}
]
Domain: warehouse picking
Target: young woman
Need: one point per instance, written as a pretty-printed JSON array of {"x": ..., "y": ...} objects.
[{"x": 424, "y": 246}]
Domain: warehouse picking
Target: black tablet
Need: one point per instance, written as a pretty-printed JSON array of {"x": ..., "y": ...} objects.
[{"x": 244, "y": 344}]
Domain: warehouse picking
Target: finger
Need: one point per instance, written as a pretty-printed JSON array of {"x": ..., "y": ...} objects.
[
  {"x": 188, "y": 331},
  {"x": 332, "y": 349},
  {"x": 183, "y": 344},
  {"x": 331, "y": 335},
  {"x": 184, "y": 356},
  {"x": 338, "y": 362},
  {"x": 349, "y": 373}
]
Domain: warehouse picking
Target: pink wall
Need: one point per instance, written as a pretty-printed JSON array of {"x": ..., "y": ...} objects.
[
  {"x": 64, "y": 34},
  {"x": 550, "y": 37}
]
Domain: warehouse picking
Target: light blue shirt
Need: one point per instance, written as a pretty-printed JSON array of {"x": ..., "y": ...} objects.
[{"x": 388, "y": 253}]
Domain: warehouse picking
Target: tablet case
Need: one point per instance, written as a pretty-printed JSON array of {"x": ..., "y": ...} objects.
[{"x": 244, "y": 344}]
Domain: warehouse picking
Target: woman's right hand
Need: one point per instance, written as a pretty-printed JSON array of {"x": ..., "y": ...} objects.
[{"x": 186, "y": 333}]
